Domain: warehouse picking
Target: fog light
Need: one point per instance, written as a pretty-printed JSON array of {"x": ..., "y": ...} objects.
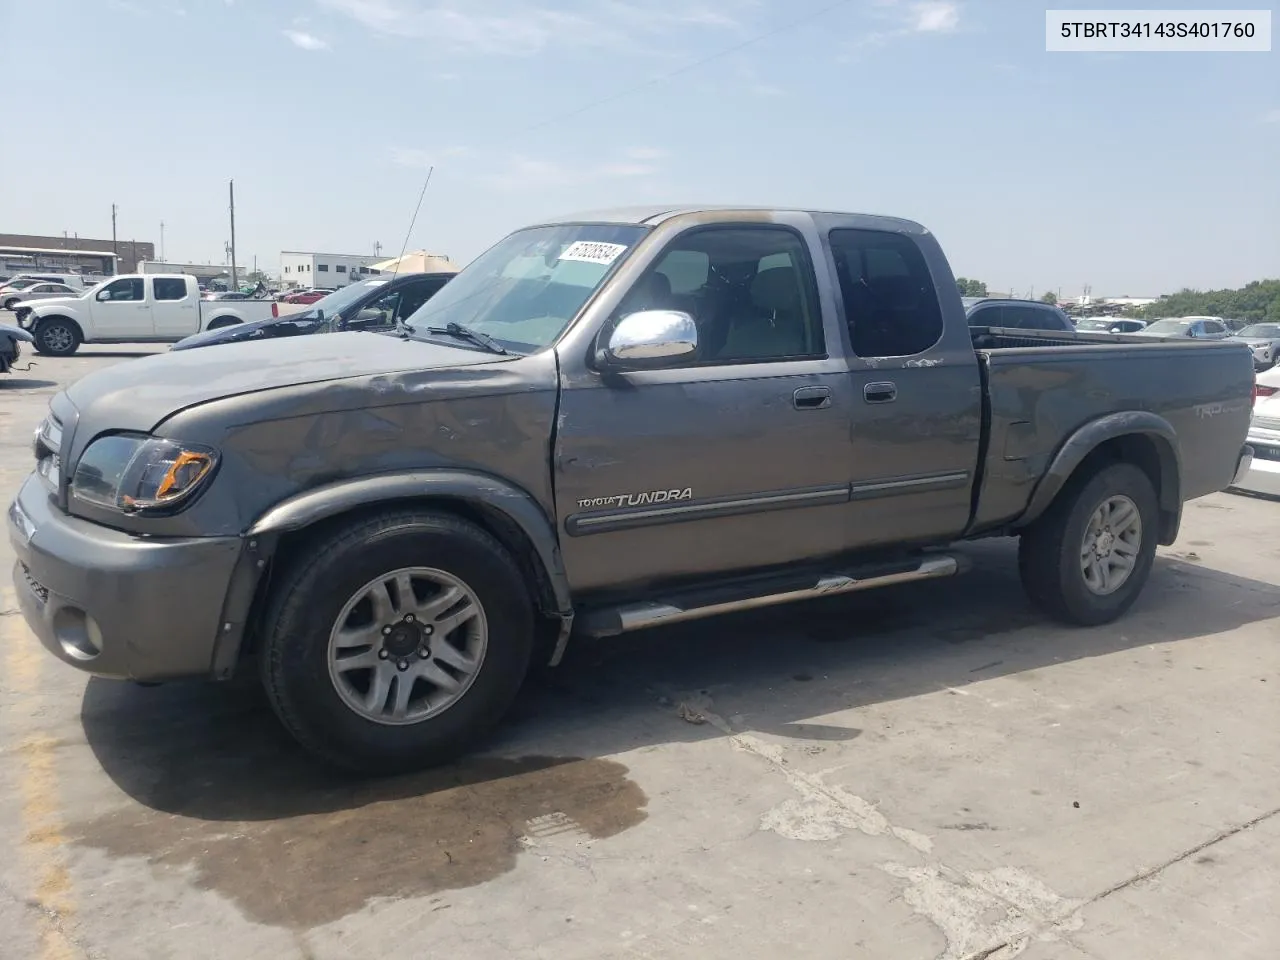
[{"x": 77, "y": 633}]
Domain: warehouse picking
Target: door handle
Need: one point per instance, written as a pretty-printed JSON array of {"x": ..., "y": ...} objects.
[
  {"x": 811, "y": 398},
  {"x": 884, "y": 392}
]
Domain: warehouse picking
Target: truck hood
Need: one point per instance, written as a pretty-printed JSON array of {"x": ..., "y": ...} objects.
[
  {"x": 253, "y": 330},
  {"x": 139, "y": 394},
  {"x": 38, "y": 305}
]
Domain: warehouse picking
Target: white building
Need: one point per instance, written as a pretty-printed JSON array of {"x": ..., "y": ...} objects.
[{"x": 298, "y": 269}]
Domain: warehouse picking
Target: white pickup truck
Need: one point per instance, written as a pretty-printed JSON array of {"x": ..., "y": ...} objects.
[{"x": 133, "y": 308}]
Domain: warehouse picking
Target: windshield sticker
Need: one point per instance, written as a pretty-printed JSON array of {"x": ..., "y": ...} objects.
[{"x": 592, "y": 251}]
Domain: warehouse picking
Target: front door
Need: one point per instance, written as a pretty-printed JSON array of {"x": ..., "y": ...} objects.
[
  {"x": 121, "y": 311},
  {"x": 730, "y": 463}
]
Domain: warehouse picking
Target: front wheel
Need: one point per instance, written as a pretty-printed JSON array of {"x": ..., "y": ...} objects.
[
  {"x": 1086, "y": 560},
  {"x": 398, "y": 642},
  {"x": 57, "y": 337}
]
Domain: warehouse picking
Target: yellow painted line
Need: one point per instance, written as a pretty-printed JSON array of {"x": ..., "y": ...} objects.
[{"x": 42, "y": 826}]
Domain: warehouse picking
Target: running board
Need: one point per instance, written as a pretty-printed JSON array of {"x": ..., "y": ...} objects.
[{"x": 652, "y": 613}]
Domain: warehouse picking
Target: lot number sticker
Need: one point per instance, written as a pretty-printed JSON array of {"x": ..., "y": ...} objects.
[{"x": 591, "y": 251}]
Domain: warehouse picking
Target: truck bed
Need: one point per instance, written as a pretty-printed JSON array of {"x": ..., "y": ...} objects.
[{"x": 1040, "y": 387}]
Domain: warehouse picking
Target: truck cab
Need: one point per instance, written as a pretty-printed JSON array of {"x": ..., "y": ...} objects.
[{"x": 134, "y": 308}]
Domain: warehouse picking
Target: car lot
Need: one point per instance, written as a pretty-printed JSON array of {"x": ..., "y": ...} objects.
[{"x": 927, "y": 772}]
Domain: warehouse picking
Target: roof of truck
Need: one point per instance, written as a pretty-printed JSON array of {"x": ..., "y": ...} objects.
[{"x": 654, "y": 214}]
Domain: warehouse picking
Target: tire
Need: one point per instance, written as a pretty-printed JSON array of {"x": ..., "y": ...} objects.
[
  {"x": 8, "y": 304},
  {"x": 316, "y": 702},
  {"x": 217, "y": 323},
  {"x": 1051, "y": 558},
  {"x": 57, "y": 337}
]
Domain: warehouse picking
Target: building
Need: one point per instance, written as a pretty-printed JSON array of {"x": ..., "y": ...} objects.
[
  {"x": 60, "y": 252},
  {"x": 203, "y": 272},
  {"x": 299, "y": 269}
]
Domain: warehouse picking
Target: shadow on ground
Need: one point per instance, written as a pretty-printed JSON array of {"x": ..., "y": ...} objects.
[
  {"x": 219, "y": 786},
  {"x": 15, "y": 382}
]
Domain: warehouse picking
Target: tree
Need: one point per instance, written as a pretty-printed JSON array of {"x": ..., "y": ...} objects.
[
  {"x": 971, "y": 288},
  {"x": 256, "y": 276},
  {"x": 1050, "y": 298},
  {"x": 1259, "y": 300}
]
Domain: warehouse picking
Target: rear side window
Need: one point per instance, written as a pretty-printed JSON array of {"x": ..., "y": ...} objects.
[
  {"x": 890, "y": 303},
  {"x": 170, "y": 288}
]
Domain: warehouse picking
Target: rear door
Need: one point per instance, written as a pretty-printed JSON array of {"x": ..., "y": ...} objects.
[
  {"x": 176, "y": 307},
  {"x": 916, "y": 424},
  {"x": 121, "y": 311},
  {"x": 736, "y": 460}
]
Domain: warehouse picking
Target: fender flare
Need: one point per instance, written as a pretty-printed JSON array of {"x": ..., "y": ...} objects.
[
  {"x": 484, "y": 491},
  {"x": 1092, "y": 435},
  {"x": 493, "y": 497}
]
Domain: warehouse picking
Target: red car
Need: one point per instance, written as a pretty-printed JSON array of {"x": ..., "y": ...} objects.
[{"x": 307, "y": 296}]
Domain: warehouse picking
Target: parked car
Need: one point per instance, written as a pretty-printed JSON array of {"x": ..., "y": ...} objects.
[
  {"x": 74, "y": 280},
  {"x": 38, "y": 291},
  {"x": 134, "y": 308},
  {"x": 368, "y": 305},
  {"x": 1109, "y": 325},
  {"x": 1019, "y": 314},
  {"x": 13, "y": 291},
  {"x": 308, "y": 296},
  {"x": 598, "y": 426},
  {"x": 1263, "y": 474},
  {"x": 1196, "y": 328},
  {"x": 1264, "y": 340},
  {"x": 11, "y": 340}
]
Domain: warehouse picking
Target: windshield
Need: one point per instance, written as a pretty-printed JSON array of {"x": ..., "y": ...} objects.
[
  {"x": 1260, "y": 330},
  {"x": 339, "y": 300},
  {"x": 22, "y": 283},
  {"x": 525, "y": 291},
  {"x": 1168, "y": 326}
]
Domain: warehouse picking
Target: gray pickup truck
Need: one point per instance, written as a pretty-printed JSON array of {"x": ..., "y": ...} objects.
[{"x": 603, "y": 424}]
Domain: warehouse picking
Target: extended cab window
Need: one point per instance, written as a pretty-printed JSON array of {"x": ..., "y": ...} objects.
[
  {"x": 750, "y": 290},
  {"x": 890, "y": 302},
  {"x": 170, "y": 288},
  {"x": 125, "y": 289}
]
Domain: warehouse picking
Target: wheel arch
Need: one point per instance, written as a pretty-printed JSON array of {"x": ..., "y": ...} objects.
[
  {"x": 223, "y": 320},
  {"x": 1142, "y": 438},
  {"x": 506, "y": 512}
]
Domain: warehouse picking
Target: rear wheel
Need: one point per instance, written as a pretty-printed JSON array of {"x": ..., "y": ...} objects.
[
  {"x": 57, "y": 337},
  {"x": 398, "y": 643},
  {"x": 217, "y": 323},
  {"x": 8, "y": 304},
  {"x": 1087, "y": 559}
]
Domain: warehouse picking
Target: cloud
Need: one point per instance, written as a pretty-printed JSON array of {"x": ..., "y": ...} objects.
[
  {"x": 421, "y": 159},
  {"x": 521, "y": 172},
  {"x": 524, "y": 27},
  {"x": 305, "y": 41},
  {"x": 935, "y": 16}
]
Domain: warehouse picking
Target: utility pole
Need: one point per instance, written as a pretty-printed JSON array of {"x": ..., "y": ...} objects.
[
  {"x": 113, "y": 229},
  {"x": 232, "y": 185},
  {"x": 377, "y": 249},
  {"x": 162, "y": 241}
]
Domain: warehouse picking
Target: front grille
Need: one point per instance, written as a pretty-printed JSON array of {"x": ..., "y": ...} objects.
[{"x": 38, "y": 588}]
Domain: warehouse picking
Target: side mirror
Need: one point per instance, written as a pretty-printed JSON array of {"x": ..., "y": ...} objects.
[
  {"x": 104, "y": 296},
  {"x": 649, "y": 340}
]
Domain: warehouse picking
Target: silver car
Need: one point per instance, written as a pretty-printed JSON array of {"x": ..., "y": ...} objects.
[
  {"x": 10, "y": 298},
  {"x": 1264, "y": 340},
  {"x": 1263, "y": 475},
  {"x": 1197, "y": 328}
]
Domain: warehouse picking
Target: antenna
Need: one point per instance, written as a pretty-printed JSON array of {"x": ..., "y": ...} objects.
[{"x": 430, "y": 170}]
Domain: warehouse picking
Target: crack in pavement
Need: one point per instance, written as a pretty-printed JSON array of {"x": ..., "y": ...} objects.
[{"x": 960, "y": 904}]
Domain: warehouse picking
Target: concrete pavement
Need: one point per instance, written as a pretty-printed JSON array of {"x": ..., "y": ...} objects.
[{"x": 927, "y": 772}]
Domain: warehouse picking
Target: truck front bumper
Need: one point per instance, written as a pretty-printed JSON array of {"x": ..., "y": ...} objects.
[{"x": 113, "y": 604}]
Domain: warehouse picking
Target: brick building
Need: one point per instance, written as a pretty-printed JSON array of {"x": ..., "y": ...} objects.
[{"x": 129, "y": 251}]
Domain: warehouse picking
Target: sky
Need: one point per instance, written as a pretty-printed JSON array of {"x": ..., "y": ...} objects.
[{"x": 1134, "y": 174}]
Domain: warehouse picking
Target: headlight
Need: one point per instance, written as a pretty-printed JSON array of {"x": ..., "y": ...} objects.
[{"x": 140, "y": 474}]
